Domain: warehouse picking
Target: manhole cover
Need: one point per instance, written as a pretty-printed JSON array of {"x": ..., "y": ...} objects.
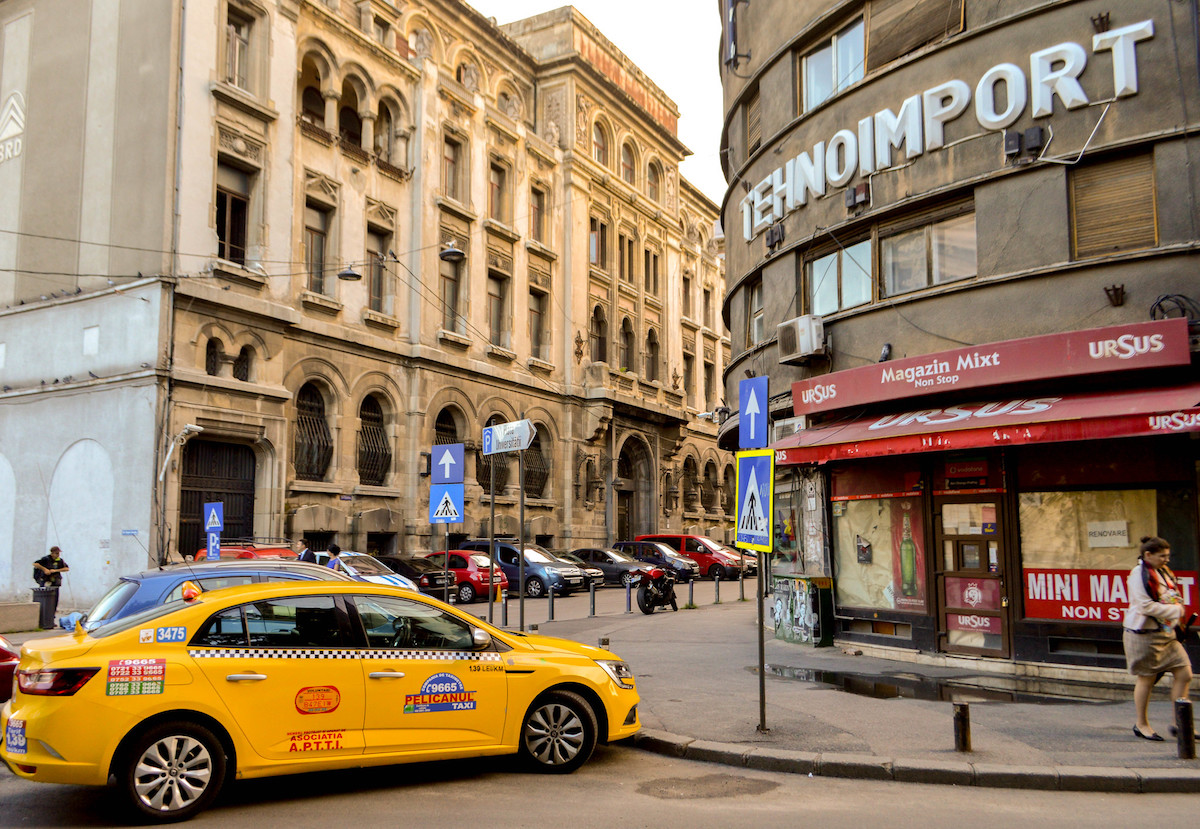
[{"x": 712, "y": 785}]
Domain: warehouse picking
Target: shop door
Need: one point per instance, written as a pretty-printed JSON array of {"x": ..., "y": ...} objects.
[{"x": 973, "y": 612}]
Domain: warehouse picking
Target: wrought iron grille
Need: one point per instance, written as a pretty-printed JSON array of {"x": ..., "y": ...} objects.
[
  {"x": 537, "y": 469},
  {"x": 314, "y": 445},
  {"x": 213, "y": 353},
  {"x": 241, "y": 366},
  {"x": 444, "y": 430},
  {"x": 374, "y": 456}
]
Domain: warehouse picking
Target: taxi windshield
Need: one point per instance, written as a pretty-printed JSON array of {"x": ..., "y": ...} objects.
[{"x": 365, "y": 565}]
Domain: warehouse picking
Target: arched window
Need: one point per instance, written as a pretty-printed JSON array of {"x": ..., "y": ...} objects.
[
  {"x": 214, "y": 353},
  {"x": 384, "y": 133},
  {"x": 485, "y": 463},
  {"x": 599, "y": 144},
  {"x": 374, "y": 454},
  {"x": 537, "y": 468},
  {"x": 650, "y": 362},
  {"x": 729, "y": 501},
  {"x": 445, "y": 429},
  {"x": 599, "y": 336},
  {"x": 349, "y": 124},
  {"x": 708, "y": 488},
  {"x": 627, "y": 173},
  {"x": 313, "y": 448},
  {"x": 691, "y": 484},
  {"x": 627, "y": 352},
  {"x": 312, "y": 102},
  {"x": 654, "y": 181},
  {"x": 241, "y": 366}
]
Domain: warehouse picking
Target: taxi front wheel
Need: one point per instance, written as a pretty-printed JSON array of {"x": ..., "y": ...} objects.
[
  {"x": 173, "y": 771},
  {"x": 559, "y": 733}
]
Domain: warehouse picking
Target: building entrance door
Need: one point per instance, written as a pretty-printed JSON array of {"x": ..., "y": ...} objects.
[
  {"x": 212, "y": 472},
  {"x": 973, "y": 607}
]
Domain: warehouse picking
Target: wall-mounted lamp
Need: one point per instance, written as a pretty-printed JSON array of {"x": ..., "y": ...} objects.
[
  {"x": 451, "y": 252},
  {"x": 179, "y": 440},
  {"x": 1116, "y": 295}
]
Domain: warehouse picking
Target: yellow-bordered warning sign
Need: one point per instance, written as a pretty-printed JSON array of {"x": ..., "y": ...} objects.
[{"x": 755, "y": 499}]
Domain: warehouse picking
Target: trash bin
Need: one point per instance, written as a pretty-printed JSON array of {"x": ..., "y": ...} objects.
[
  {"x": 804, "y": 609},
  {"x": 47, "y": 599}
]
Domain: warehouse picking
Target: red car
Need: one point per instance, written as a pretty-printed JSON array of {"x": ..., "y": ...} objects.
[
  {"x": 470, "y": 569},
  {"x": 10, "y": 655},
  {"x": 714, "y": 562},
  {"x": 279, "y": 548}
]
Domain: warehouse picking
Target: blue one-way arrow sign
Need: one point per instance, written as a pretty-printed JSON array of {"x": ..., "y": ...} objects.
[
  {"x": 447, "y": 463},
  {"x": 752, "y": 413}
]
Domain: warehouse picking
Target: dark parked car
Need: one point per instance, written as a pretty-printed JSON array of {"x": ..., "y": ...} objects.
[
  {"x": 133, "y": 594},
  {"x": 591, "y": 573},
  {"x": 660, "y": 555},
  {"x": 429, "y": 577},
  {"x": 470, "y": 569},
  {"x": 543, "y": 570},
  {"x": 618, "y": 567},
  {"x": 10, "y": 655}
]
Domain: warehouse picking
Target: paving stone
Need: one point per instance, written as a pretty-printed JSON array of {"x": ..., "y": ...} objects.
[{"x": 857, "y": 766}]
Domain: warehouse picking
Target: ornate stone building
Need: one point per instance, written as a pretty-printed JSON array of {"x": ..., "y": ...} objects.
[{"x": 250, "y": 239}]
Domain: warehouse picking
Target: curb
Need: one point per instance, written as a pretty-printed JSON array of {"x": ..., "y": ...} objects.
[{"x": 948, "y": 773}]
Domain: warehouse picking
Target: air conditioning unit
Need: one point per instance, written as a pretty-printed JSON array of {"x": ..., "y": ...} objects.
[
  {"x": 787, "y": 427},
  {"x": 800, "y": 338}
]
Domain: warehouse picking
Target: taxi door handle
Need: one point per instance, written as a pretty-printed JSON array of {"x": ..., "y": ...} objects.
[
  {"x": 386, "y": 674},
  {"x": 245, "y": 677}
]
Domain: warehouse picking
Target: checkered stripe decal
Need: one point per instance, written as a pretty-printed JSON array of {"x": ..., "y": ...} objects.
[{"x": 337, "y": 653}]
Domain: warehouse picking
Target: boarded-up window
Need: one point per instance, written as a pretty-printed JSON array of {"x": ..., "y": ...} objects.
[
  {"x": 753, "y": 123},
  {"x": 899, "y": 26},
  {"x": 1113, "y": 207}
]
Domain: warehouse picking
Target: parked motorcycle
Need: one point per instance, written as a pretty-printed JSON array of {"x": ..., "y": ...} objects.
[{"x": 655, "y": 588}]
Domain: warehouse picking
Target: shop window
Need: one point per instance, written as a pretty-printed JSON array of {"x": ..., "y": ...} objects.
[
  {"x": 841, "y": 279},
  {"x": 374, "y": 454},
  {"x": 1113, "y": 207},
  {"x": 833, "y": 66},
  {"x": 898, "y": 27},
  {"x": 879, "y": 551},
  {"x": 755, "y": 331},
  {"x": 232, "y": 201},
  {"x": 932, "y": 254},
  {"x": 313, "y": 446}
]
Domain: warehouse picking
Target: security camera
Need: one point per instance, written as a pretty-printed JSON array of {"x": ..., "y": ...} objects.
[{"x": 192, "y": 429}]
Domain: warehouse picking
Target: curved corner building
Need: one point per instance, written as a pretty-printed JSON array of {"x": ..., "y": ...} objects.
[{"x": 962, "y": 244}]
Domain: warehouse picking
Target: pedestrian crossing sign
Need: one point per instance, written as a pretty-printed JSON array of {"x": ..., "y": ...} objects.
[
  {"x": 214, "y": 517},
  {"x": 446, "y": 504},
  {"x": 755, "y": 499}
]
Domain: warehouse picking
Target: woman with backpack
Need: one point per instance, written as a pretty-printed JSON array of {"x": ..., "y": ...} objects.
[{"x": 1151, "y": 620}]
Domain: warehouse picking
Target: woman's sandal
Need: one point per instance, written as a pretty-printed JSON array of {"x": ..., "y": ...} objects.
[{"x": 1158, "y": 738}]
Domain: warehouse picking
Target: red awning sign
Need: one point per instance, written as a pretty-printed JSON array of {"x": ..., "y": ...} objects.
[{"x": 999, "y": 423}]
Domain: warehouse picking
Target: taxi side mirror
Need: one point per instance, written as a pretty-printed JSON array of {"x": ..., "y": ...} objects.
[{"x": 480, "y": 638}]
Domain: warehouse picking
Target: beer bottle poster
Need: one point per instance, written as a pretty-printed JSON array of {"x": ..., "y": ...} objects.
[{"x": 908, "y": 554}]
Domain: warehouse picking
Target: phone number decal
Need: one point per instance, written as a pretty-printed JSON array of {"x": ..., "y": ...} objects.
[{"x": 130, "y": 677}]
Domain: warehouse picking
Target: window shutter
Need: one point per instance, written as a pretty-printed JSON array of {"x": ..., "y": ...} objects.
[
  {"x": 1113, "y": 207},
  {"x": 897, "y": 27},
  {"x": 753, "y": 124}
]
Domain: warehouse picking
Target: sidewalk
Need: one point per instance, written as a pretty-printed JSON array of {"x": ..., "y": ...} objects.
[{"x": 697, "y": 675}]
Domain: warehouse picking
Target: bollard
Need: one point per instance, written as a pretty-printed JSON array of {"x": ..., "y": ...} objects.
[
  {"x": 592, "y": 599},
  {"x": 629, "y": 598},
  {"x": 717, "y": 585},
  {"x": 962, "y": 726},
  {"x": 1185, "y": 730},
  {"x": 551, "y": 595},
  {"x": 691, "y": 592},
  {"x": 504, "y": 610},
  {"x": 603, "y": 643},
  {"x": 741, "y": 585}
]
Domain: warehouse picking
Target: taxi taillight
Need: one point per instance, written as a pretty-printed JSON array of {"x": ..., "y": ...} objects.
[{"x": 54, "y": 682}]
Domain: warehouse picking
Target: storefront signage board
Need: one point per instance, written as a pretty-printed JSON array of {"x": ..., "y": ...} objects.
[
  {"x": 1088, "y": 595},
  {"x": 1116, "y": 348}
]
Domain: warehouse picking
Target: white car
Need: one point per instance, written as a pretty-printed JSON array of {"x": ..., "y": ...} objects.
[{"x": 366, "y": 567}]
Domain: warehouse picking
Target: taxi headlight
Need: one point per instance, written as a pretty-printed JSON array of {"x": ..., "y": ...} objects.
[{"x": 618, "y": 670}]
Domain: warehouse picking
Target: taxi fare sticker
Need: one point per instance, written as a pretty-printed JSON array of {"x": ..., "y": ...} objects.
[
  {"x": 318, "y": 700},
  {"x": 127, "y": 677},
  {"x": 315, "y": 740},
  {"x": 441, "y": 692},
  {"x": 14, "y": 737}
]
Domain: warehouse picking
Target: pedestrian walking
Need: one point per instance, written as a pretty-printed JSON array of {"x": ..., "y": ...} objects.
[
  {"x": 48, "y": 570},
  {"x": 1151, "y": 646},
  {"x": 305, "y": 553},
  {"x": 335, "y": 553}
]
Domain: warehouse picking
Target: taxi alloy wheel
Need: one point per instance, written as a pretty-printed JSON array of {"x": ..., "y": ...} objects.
[
  {"x": 174, "y": 771},
  {"x": 559, "y": 733},
  {"x": 466, "y": 593}
]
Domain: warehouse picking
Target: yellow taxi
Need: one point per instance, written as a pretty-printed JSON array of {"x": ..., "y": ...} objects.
[{"x": 279, "y": 678}]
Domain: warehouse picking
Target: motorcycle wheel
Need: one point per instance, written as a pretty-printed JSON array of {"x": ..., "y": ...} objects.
[{"x": 643, "y": 600}]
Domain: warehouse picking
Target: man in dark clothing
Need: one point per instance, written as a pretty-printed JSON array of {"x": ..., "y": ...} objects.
[
  {"x": 48, "y": 570},
  {"x": 305, "y": 553}
]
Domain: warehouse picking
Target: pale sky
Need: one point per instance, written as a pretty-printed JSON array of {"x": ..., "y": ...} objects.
[{"x": 675, "y": 42}]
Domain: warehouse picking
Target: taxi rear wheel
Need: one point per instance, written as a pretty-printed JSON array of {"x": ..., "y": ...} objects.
[
  {"x": 559, "y": 733},
  {"x": 173, "y": 771}
]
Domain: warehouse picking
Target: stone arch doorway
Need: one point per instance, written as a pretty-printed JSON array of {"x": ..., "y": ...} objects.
[
  {"x": 214, "y": 471},
  {"x": 634, "y": 491}
]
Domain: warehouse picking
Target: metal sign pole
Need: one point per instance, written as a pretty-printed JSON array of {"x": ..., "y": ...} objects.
[
  {"x": 492, "y": 534},
  {"x": 521, "y": 531},
  {"x": 762, "y": 648},
  {"x": 446, "y": 570}
]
